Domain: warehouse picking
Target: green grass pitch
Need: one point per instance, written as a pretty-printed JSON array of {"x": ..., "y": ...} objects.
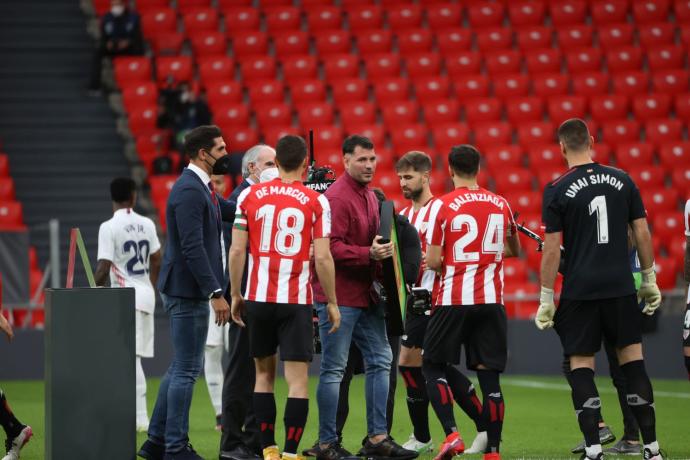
[{"x": 539, "y": 423}]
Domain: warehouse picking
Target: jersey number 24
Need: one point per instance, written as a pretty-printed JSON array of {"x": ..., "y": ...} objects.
[{"x": 492, "y": 242}]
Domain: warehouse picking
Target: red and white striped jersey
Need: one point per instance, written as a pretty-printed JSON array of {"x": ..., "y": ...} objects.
[
  {"x": 428, "y": 279},
  {"x": 282, "y": 220},
  {"x": 471, "y": 228}
]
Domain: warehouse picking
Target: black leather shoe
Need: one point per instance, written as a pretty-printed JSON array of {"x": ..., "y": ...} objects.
[
  {"x": 240, "y": 452},
  {"x": 187, "y": 453},
  {"x": 151, "y": 451}
]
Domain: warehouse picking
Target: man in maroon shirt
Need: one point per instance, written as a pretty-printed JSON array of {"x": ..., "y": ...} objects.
[{"x": 356, "y": 250}]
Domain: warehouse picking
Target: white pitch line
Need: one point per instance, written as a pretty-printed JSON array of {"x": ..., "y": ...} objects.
[{"x": 563, "y": 387}]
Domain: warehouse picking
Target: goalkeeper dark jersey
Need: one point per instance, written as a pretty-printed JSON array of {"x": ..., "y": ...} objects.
[{"x": 593, "y": 205}]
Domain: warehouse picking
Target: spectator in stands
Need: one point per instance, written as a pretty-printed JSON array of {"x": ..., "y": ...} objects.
[
  {"x": 120, "y": 36},
  {"x": 180, "y": 109}
]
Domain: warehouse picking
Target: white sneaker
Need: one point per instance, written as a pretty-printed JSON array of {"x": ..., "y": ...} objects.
[
  {"x": 15, "y": 445},
  {"x": 479, "y": 444},
  {"x": 418, "y": 446}
]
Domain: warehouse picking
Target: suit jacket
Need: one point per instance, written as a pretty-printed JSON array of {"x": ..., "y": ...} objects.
[
  {"x": 193, "y": 262},
  {"x": 233, "y": 199}
]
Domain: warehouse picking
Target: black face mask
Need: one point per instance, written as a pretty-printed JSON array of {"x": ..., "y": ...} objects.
[{"x": 221, "y": 166}]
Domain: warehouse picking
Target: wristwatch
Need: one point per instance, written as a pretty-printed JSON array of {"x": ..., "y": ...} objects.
[{"x": 217, "y": 294}]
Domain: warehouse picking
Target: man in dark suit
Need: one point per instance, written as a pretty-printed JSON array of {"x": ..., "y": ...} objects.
[
  {"x": 191, "y": 275},
  {"x": 240, "y": 437}
]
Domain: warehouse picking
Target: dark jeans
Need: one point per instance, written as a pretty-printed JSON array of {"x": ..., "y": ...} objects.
[
  {"x": 238, "y": 421},
  {"x": 188, "y": 329}
]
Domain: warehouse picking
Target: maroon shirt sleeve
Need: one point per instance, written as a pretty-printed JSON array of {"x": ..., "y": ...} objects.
[{"x": 344, "y": 253}]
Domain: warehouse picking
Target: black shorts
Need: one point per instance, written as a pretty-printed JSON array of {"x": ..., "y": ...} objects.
[
  {"x": 482, "y": 329},
  {"x": 686, "y": 327},
  {"x": 285, "y": 325},
  {"x": 582, "y": 324},
  {"x": 415, "y": 328}
]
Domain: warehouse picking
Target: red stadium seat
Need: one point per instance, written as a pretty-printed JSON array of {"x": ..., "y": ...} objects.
[
  {"x": 624, "y": 58},
  {"x": 423, "y": 65},
  {"x": 315, "y": 114},
  {"x": 139, "y": 92},
  {"x": 561, "y": 108},
  {"x": 609, "y": 107},
  {"x": 574, "y": 36},
  {"x": 430, "y": 89},
  {"x": 631, "y": 82},
  {"x": 568, "y": 12},
  {"x": 634, "y": 154},
  {"x": 446, "y": 135},
  {"x": 241, "y": 19},
  {"x": 272, "y": 114},
  {"x": 658, "y": 33},
  {"x": 675, "y": 154},
  {"x": 660, "y": 200},
  {"x": 414, "y": 41},
  {"x": 610, "y": 11},
  {"x": 521, "y": 300},
  {"x": 676, "y": 250},
  {"x": 330, "y": 42},
  {"x": 250, "y": 43},
  {"x": 545, "y": 156},
  {"x": 681, "y": 8},
  {"x": 601, "y": 152},
  {"x": 328, "y": 137},
  {"x": 157, "y": 21},
  {"x": 535, "y": 132},
  {"x": 404, "y": 16},
  {"x": 671, "y": 81},
  {"x": 224, "y": 92},
  {"x": 515, "y": 270},
  {"x": 668, "y": 225},
  {"x": 201, "y": 19},
  {"x": 543, "y": 60},
  {"x": 132, "y": 69},
  {"x": 613, "y": 36},
  {"x": 483, "y": 109},
  {"x": 651, "y": 11},
  {"x": 365, "y": 17},
  {"x": 261, "y": 91},
  {"x": 349, "y": 90},
  {"x": 534, "y": 38},
  {"x": 499, "y": 157},
  {"x": 216, "y": 68},
  {"x": 666, "y": 269},
  {"x": 547, "y": 175},
  {"x": 682, "y": 106},
  {"x": 324, "y": 17},
  {"x": 4, "y": 165},
  {"x": 241, "y": 139},
  {"x": 552, "y": 84},
  {"x": 168, "y": 43},
  {"x": 663, "y": 130},
  {"x": 296, "y": 68},
  {"x": 529, "y": 108},
  {"x": 374, "y": 132},
  {"x": 527, "y": 202},
  {"x": 273, "y": 134},
  {"x": 341, "y": 66},
  {"x": 510, "y": 85},
  {"x": 512, "y": 180},
  {"x": 494, "y": 38},
  {"x": 590, "y": 84},
  {"x": 391, "y": 89},
  {"x": 409, "y": 137},
  {"x": 357, "y": 113},
  {"x": 490, "y": 133},
  {"x": 470, "y": 86},
  {"x": 463, "y": 63},
  {"x": 666, "y": 57},
  {"x": 583, "y": 60},
  {"x": 503, "y": 62},
  {"x": 143, "y": 6},
  {"x": 441, "y": 112},
  {"x": 208, "y": 44},
  {"x": 450, "y": 41},
  {"x": 236, "y": 115},
  {"x": 526, "y": 13},
  {"x": 161, "y": 186},
  {"x": 443, "y": 15},
  {"x": 186, "y": 6},
  {"x": 382, "y": 65},
  {"x": 307, "y": 90},
  {"x": 620, "y": 131},
  {"x": 374, "y": 42},
  {"x": 142, "y": 119},
  {"x": 647, "y": 176},
  {"x": 387, "y": 181},
  {"x": 400, "y": 112},
  {"x": 680, "y": 177},
  {"x": 485, "y": 14},
  {"x": 258, "y": 67},
  {"x": 6, "y": 189},
  {"x": 283, "y": 18},
  {"x": 289, "y": 43}
]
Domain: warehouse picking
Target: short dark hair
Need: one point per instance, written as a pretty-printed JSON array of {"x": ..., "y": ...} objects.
[
  {"x": 351, "y": 142},
  {"x": 418, "y": 161},
  {"x": 122, "y": 189},
  {"x": 291, "y": 151},
  {"x": 574, "y": 134},
  {"x": 464, "y": 159},
  {"x": 201, "y": 137}
]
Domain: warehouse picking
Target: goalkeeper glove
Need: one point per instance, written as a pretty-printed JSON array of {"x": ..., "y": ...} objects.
[
  {"x": 547, "y": 308},
  {"x": 649, "y": 291}
]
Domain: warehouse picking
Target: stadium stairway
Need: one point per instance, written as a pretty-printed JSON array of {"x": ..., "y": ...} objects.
[{"x": 62, "y": 144}]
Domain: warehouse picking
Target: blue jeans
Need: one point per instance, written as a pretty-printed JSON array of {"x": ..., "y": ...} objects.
[
  {"x": 188, "y": 329},
  {"x": 367, "y": 327}
]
